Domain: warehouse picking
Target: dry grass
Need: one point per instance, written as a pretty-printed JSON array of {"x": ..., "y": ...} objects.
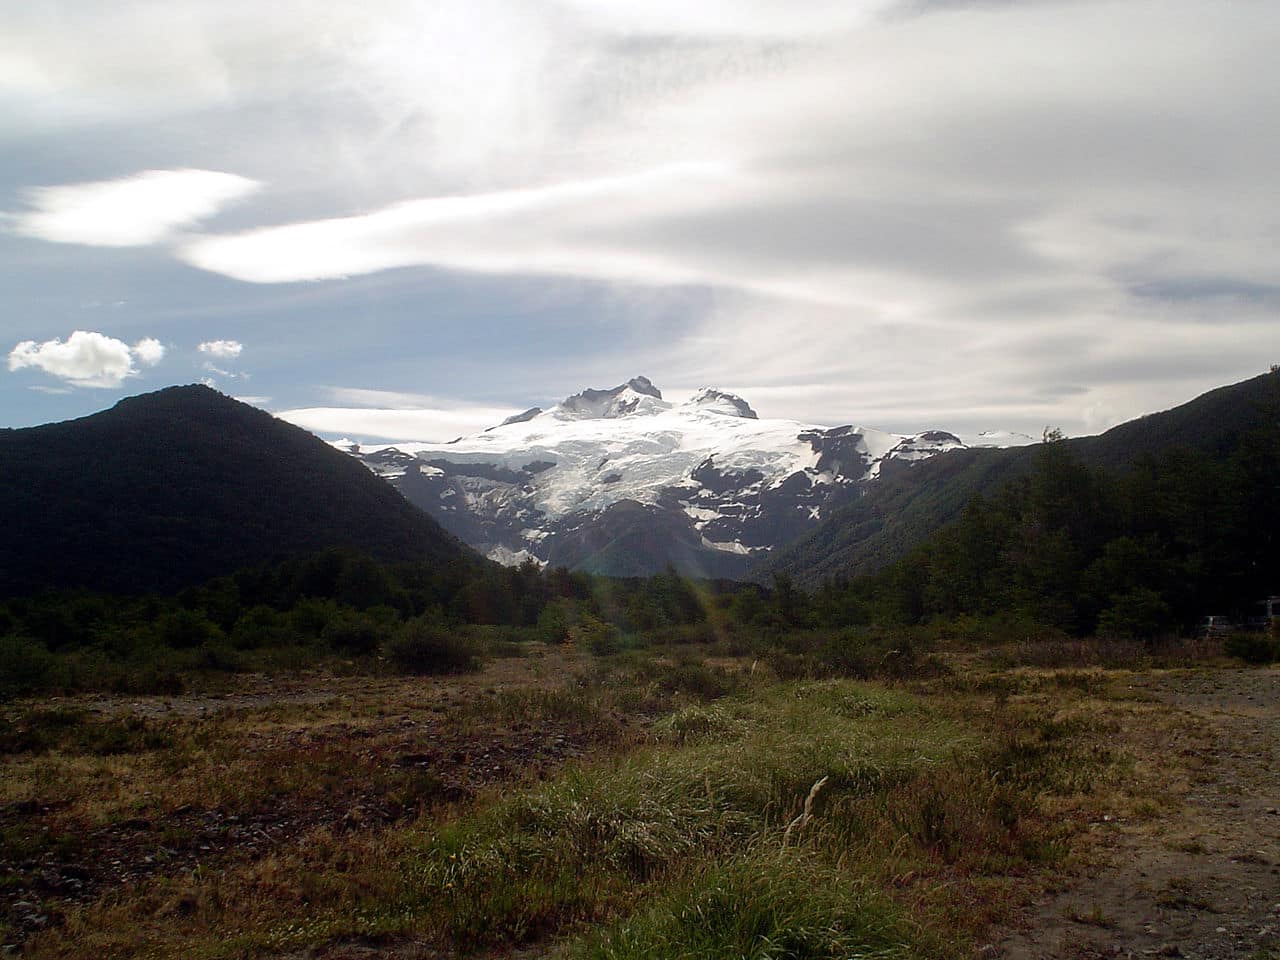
[{"x": 942, "y": 807}]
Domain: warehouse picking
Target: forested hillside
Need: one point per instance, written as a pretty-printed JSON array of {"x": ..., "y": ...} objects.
[
  {"x": 905, "y": 509},
  {"x": 174, "y": 487},
  {"x": 1128, "y": 552}
]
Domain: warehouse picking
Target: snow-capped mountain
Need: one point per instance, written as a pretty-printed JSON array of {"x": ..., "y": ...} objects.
[{"x": 624, "y": 482}]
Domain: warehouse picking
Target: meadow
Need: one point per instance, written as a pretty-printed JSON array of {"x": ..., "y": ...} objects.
[{"x": 671, "y": 801}]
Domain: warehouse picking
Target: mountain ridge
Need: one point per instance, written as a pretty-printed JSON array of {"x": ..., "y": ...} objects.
[
  {"x": 896, "y": 515},
  {"x": 585, "y": 483},
  {"x": 170, "y": 488}
]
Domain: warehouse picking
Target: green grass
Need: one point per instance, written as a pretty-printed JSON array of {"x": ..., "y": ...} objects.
[
  {"x": 782, "y": 904},
  {"x": 700, "y": 843}
]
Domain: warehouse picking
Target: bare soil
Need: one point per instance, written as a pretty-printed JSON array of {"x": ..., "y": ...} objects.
[
  {"x": 1199, "y": 878},
  {"x": 408, "y": 744}
]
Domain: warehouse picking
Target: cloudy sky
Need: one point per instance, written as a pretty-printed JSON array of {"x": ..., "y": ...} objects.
[{"x": 409, "y": 218}]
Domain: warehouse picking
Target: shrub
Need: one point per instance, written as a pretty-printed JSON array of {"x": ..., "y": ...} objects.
[
  {"x": 353, "y": 633},
  {"x": 1139, "y": 614},
  {"x": 186, "y": 629},
  {"x": 220, "y": 658},
  {"x": 422, "y": 648},
  {"x": 599, "y": 637},
  {"x": 25, "y": 666},
  {"x": 261, "y": 626},
  {"x": 1252, "y": 647},
  {"x": 554, "y": 621},
  {"x": 309, "y": 616},
  {"x": 694, "y": 678}
]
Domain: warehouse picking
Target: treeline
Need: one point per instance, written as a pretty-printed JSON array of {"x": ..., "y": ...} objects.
[
  {"x": 409, "y": 617},
  {"x": 1137, "y": 555}
]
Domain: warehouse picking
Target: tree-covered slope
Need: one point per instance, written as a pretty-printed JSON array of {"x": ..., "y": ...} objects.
[
  {"x": 907, "y": 507},
  {"x": 174, "y": 487}
]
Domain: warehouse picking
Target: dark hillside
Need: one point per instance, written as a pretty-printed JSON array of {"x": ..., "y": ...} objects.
[
  {"x": 174, "y": 487},
  {"x": 902, "y": 511}
]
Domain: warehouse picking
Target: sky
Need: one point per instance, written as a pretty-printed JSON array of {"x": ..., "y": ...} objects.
[{"x": 408, "y": 219}]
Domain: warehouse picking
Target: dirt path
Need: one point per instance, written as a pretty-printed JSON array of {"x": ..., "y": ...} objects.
[{"x": 1202, "y": 878}]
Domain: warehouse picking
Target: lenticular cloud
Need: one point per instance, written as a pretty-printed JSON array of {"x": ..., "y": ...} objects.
[{"x": 131, "y": 211}]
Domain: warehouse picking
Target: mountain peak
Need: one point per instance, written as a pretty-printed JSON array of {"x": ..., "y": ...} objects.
[
  {"x": 719, "y": 401},
  {"x": 644, "y": 385},
  {"x": 638, "y": 396}
]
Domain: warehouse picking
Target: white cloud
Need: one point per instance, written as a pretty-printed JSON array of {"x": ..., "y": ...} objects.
[
  {"x": 86, "y": 358},
  {"x": 223, "y": 349},
  {"x": 867, "y": 164},
  {"x": 929, "y": 203},
  {"x": 772, "y": 19},
  {"x": 388, "y": 399},
  {"x": 149, "y": 351},
  {"x": 398, "y": 425},
  {"x": 555, "y": 229},
  {"x": 133, "y": 211},
  {"x": 221, "y": 372}
]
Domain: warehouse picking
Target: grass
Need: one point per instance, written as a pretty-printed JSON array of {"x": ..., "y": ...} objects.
[
  {"x": 671, "y": 812},
  {"x": 926, "y": 826},
  {"x": 787, "y": 903}
]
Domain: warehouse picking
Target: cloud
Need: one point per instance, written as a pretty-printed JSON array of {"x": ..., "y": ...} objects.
[
  {"x": 149, "y": 351},
  {"x": 772, "y": 19},
  {"x": 86, "y": 358},
  {"x": 435, "y": 425},
  {"x": 143, "y": 209},
  {"x": 936, "y": 204},
  {"x": 552, "y": 229},
  {"x": 875, "y": 168},
  {"x": 223, "y": 349},
  {"x": 389, "y": 399},
  {"x": 229, "y": 374}
]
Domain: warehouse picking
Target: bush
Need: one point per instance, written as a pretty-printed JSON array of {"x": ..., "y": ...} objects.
[
  {"x": 353, "y": 633},
  {"x": 186, "y": 630},
  {"x": 309, "y": 616},
  {"x": 501, "y": 640},
  {"x": 220, "y": 658},
  {"x": 1139, "y": 614},
  {"x": 25, "y": 666},
  {"x": 424, "y": 648},
  {"x": 692, "y": 677},
  {"x": 259, "y": 627},
  {"x": 554, "y": 621},
  {"x": 1252, "y": 647},
  {"x": 599, "y": 637},
  {"x": 852, "y": 654}
]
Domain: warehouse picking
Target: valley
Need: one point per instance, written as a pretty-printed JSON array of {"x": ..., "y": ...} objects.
[
  {"x": 639, "y": 480},
  {"x": 297, "y": 737}
]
